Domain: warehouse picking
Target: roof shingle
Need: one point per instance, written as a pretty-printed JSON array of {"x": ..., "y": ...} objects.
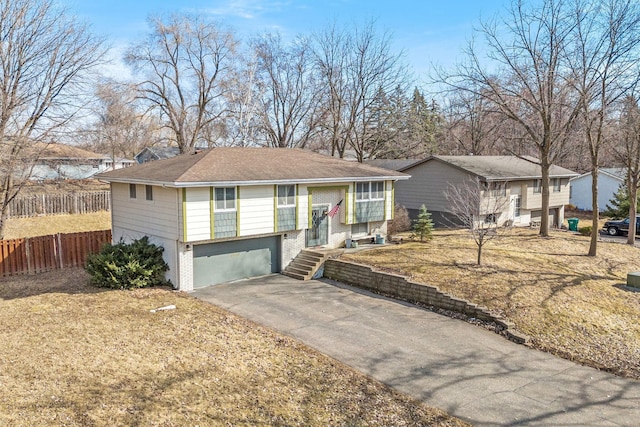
[
  {"x": 494, "y": 168},
  {"x": 248, "y": 165}
]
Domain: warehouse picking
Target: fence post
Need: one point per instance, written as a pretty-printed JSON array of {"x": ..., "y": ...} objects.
[
  {"x": 59, "y": 250},
  {"x": 27, "y": 250}
]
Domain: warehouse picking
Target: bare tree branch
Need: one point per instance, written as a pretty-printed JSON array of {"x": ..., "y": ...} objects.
[
  {"x": 46, "y": 59},
  {"x": 187, "y": 62}
]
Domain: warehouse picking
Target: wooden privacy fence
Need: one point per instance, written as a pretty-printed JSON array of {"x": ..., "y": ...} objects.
[
  {"x": 59, "y": 203},
  {"x": 44, "y": 253}
]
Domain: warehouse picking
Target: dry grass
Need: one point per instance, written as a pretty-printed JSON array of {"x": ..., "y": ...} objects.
[
  {"x": 572, "y": 305},
  {"x": 73, "y": 355},
  {"x": 52, "y": 224}
]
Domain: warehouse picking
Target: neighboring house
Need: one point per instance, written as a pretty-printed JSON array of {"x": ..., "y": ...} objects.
[
  {"x": 149, "y": 154},
  {"x": 609, "y": 180},
  {"x": 228, "y": 213},
  {"x": 61, "y": 161},
  {"x": 118, "y": 163},
  {"x": 511, "y": 177}
]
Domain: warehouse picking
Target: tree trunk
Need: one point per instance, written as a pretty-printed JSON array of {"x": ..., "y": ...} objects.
[
  {"x": 544, "y": 216},
  {"x": 633, "y": 211},
  {"x": 4, "y": 215},
  {"x": 595, "y": 230},
  {"x": 479, "y": 253}
]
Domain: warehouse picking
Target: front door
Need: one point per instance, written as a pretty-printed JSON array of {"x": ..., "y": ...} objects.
[
  {"x": 514, "y": 209},
  {"x": 318, "y": 234}
]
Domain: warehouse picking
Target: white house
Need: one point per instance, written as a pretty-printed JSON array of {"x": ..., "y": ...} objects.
[
  {"x": 229, "y": 213},
  {"x": 516, "y": 179},
  {"x": 609, "y": 180},
  {"x": 56, "y": 161}
]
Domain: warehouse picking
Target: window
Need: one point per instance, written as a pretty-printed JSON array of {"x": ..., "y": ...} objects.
[
  {"x": 148, "y": 189},
  {"x": 362, "y": 191},
  {"x": 286, "y": 195},
  {"x": 370, "y": 190},
  {"x": 359, "y": 228},
  {"x": 377, "y": 190},
  {"x": 517, "y": 204},
  {"x": 225, "y": 199},
  {"x": 132, "y": 191},
  {"x": 556, "y": 185},
  {"x": 537, "y": 186},
  {"x": 498, "y": 189}
]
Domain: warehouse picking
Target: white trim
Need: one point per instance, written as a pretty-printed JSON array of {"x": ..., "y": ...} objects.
[{"x": 257, "y": 182}]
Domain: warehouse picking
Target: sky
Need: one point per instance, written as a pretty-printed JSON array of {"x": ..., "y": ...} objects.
[{"x": 427, "y": 31}]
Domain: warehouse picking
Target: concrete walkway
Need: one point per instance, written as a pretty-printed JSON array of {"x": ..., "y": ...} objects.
[{"x": 465, "y": 370}]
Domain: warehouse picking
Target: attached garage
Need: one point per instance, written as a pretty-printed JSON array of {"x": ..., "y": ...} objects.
[
  {"x": 536, "y": 216},
  {"x": 234, "y": 260}
]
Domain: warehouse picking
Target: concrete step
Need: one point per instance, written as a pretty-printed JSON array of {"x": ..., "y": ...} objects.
[
  {"x": 296, "y": 275},
  {"x": 305, "y": 265},
  {"x": 294, "y": 269},
  {"x": 310, "y": 258},
  {"x": 305, "y": 262}
]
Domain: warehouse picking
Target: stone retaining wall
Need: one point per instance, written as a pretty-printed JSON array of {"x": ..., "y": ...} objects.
[{"x": 396, "y": 286}]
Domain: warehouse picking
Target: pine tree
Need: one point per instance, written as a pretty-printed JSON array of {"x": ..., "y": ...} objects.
[
  {"x": 423, "y": 225},
  {"x": 618, "y": 207}
]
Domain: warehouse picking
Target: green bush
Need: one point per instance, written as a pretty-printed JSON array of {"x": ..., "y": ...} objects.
[
  {"x": 423, "y": 225},
  {"x": 128, "y": 265},
  {"x": 585, "y": 231}
]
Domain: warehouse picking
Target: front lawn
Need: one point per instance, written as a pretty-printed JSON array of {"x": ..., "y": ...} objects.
[
  {"x": 73, "y": 355},
  {"x": 572, "y": 305}
]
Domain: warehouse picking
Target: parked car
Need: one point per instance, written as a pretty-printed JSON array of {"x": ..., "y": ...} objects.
[{"x": 614, "y": 228}]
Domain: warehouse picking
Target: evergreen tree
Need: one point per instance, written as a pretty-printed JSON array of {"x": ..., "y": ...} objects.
[
  {"x": 618, "y": 207},
  {"x": 423, "y": 225}
]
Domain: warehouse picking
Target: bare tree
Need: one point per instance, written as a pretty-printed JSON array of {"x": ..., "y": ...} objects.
[
  {"x": 602, "y": 55},
  {"x": 121, "y": 128},
  {"x": 356, "y": 66},
  {"x": 529, "y": 85},
  {"x": 628, "y": 154},
  {"x": 45, "y": 57},
  {"x": 289, "y": 101},
  {"x": 332, "y": 61},
  {"x": 471, "y": 124},
  {"x": 187, "y": 62},
  {"x": 242, "y": 124},
  {"x": 480, "y": 208}
]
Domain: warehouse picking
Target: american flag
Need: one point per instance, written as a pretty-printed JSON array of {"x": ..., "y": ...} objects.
[{"x": 335, "y": 209}]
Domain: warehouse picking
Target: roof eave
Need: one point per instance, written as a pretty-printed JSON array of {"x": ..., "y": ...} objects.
[
  {"x": 187, "y": 184},
  {"x": 523, "y": 178}
]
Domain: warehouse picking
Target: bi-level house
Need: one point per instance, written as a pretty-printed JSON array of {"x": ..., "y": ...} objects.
[
  {"x": 230, "y": 213},
  {"x": 516, "y": 179}
]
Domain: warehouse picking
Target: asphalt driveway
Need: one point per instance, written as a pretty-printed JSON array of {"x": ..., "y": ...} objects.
[{"x": 470, "y": 372}]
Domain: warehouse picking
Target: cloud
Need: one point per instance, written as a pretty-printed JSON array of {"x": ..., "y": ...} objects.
[{"x": 247, "y": 9}]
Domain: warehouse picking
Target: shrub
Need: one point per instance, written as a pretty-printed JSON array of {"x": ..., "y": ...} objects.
[
  {"x": 585, "y": 231},
  {"x": 401, "y": 221},
  {"x": 128, "y": 265},
  {"x": 423, "y": 225}
]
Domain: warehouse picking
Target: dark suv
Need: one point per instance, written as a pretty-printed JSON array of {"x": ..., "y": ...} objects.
[{"x": 614, "y": 228}]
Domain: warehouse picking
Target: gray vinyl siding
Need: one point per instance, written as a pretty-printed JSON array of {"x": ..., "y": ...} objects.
[
  {"x": 157, "y": 217},
  {"x": 224, "y": 224},
  {"x": 287, "y": 218},
  {"x": 369, "y": 211},
  {"x": 427, "y": 185}
]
